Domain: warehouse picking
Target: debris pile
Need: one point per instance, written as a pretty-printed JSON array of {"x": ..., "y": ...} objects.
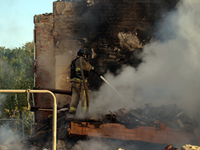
[
  {"x": 148, "y": 116},
  {"x": 170, "y": 115},
  {"x": 190, "y": 147},
  {"x": 170, "y": 147}
]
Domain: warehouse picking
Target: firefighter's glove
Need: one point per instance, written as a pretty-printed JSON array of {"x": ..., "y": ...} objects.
[
  {"x": 98, "y": 73},
  {"x": 93, "y": 70}
]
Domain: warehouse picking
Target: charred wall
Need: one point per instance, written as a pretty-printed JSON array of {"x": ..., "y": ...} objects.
[
  {"x": 113, "y": 30},
  {"x": 117, "y": 30}
]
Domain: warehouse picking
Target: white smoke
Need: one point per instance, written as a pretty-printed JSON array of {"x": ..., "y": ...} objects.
[
  {"x": 7, "y": 135},
  {"x": 170, "y": 72},
  {"x": 91, "y": 145},
  {"x": 12, "y": 139},
  {"x": 110, "y": 144}
]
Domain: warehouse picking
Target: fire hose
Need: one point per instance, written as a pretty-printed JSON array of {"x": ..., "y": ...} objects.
[{"x": 82, "y": 74}]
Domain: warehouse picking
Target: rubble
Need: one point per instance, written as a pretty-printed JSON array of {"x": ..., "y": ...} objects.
[
  {"x": 190, "y": 147},
  {"x": 61, "y": 145},
  {"x": 170, "y": 147},
  {"x": 160, "y": 124},
  {"x": 170, "y": 115}
]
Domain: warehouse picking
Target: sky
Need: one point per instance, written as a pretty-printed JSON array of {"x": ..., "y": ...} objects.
[{"x": 16, "y": 24}]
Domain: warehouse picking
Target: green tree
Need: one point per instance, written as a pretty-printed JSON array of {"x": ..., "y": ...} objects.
[{"x": 16, "y": 73}]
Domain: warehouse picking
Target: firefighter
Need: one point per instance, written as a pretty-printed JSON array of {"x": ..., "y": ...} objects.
[{"x": 80, "y": 70}]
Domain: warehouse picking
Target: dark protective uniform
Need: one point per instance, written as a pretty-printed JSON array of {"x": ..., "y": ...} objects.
[{"x": 77, "y": 87}]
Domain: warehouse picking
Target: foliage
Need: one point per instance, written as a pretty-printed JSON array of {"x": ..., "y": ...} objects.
[{"x": 16, "y": 73}]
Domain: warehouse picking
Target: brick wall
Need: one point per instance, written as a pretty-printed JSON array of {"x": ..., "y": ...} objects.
[{"x": 45, "y": 61}]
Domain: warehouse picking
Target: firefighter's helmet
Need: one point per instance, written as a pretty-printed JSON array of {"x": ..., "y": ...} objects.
[{"x": 83, "y": 51}]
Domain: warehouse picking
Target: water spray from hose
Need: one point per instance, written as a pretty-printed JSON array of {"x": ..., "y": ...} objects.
[{"x": 113, "y": 88}]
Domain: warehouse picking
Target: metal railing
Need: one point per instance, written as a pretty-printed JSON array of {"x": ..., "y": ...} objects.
[{"x": 54, "y": 108}]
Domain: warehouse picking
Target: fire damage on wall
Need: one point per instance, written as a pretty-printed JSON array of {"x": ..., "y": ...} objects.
[{"x": 115, "y": 31}]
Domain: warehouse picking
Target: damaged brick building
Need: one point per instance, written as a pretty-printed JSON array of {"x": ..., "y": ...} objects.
[{"x": 113, "y": 30}]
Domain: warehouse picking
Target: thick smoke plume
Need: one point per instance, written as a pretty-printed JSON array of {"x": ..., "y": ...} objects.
[{"x": 170, "y": 69}]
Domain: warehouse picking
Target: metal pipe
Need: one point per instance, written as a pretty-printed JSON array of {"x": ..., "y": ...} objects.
[
  {"x": 54, "y": 108},
  {"x": 33, "y": 105},
  {"x": 56, "y": 91},
  {"x": 16, "y": 120}
]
